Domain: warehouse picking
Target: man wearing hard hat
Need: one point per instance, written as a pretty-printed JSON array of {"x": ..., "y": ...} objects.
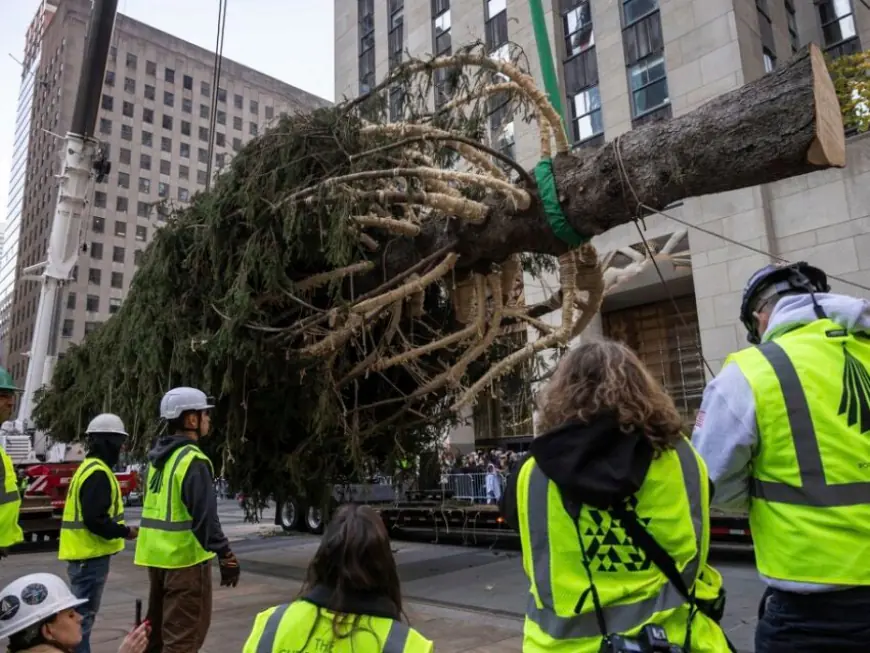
[
  {"x": 180, "y": 529},
  {"x": 93, "y": 528},
  {"x": 10, "y": 498}
]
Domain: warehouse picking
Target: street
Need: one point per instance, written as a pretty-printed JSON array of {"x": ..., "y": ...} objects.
[{"x": 467, "y": 599}]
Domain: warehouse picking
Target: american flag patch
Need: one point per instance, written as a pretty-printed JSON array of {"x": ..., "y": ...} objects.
[{"x": 699, "y": 420}]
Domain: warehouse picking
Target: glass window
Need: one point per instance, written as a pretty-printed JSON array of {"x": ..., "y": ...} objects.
[
  {"x": 97, "y": 251},
  {"x": 270, "y": 112},
  {"x": 141, "y": 233},
  {"x": 129, "y": 85},
  {"x": 148, "y": 116},
  {"x": 117, "y": 279},
  {"x": 151, "y": 68},
  {"x": 183, "y": 194},
  {"x": 100, "y": 199},
  {"x": 165, "y": 144},
  {"x": 168, "y": 99},
  {"x": 169, "y": 76},
  {"x": 203, "y": 111},
  {"x": 127, "y": 109},
  {"x": 147, "y": 139},
  {"x": 167, "y": 122},
  {"x": 649, "y": 85},
  {"x": 71, "y": 301},
  {"x": 120, "y": 228},
  {"x": 105, "y": 126},
  {"x": 145, "y": 161},
  {"x": 165, "y": 167},
  {"x": 183, "y": 172},
  {"x": 144, "y": 185},
  {"x": 98, "y": 225},
  {"x": 143, "y": 209},
  {"x": 579, "y": 35},
  {"x": 203, "y": 134},
  {"x": 185, "y": 128},
  {"x": 202, "y": 155},
  {"x": 108, "y": 102},
  {"x": 187, "y": 105},
  {"x": 117, "y": 254},
  {"x": 114, "y": 305},
  {"x": 634, "y": 10},
  {"x": 238, "y": 101},
  {"x": 222, "y": 95},
  {"x": 90, "y": 327},
  {"x": 162, "y": 189},
  {"x": 253, "y": 129},
  {"x": 132, "y": 61},
  {"x": 188, "y": 82},
  {"x": 121, "y": 204},
  {"x": 137, "y": 257},
  {"x": 68, "y": 326},
  {"x": 125, "y": 156},
  {"x": 201, "y": 177},
  {"x": 184, "y": 150},
  {"x": 221, "y": 117},
  {"x": 110, "y": 78},
  {"x": 205, "y": 89},
  {"x": 92, "y": 303},
  {"x": 238, "y": 123},
  {"x": 769, "y": 61},
  {"x": 124, "y": 179},
  {"x": 150, "y": 92},
  {"x": 255, "y": 107},
  {"x": 586, "y": 114},
  {"x": 95, "y": 276}
]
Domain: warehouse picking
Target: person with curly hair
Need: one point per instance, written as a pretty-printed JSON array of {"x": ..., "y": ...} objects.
[{"x": 612, "y": 506}]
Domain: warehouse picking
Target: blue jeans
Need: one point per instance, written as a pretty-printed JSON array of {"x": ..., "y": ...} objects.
[
  {"x": 87, "y": 578},
  {"x": 809, "y": 623}
]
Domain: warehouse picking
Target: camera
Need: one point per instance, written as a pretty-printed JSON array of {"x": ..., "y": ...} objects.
[{"x": 652, "y": 639}]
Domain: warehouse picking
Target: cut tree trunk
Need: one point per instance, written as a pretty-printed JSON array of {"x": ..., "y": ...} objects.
[{"x": 784, "y": 124}]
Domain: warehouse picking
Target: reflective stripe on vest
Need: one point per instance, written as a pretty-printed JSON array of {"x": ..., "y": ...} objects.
[
  {"x": 77, "y": 542},
  {"x": 167, "y": 524},
  {"x": 814, "y": 490},
  {"x": 10, "y": 503},
  {"x": 618, "y": 618},
  {"x": 397, "y": 638}
]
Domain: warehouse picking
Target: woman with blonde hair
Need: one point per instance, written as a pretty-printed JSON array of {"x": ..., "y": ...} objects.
[{"x": 612, "y": 507}]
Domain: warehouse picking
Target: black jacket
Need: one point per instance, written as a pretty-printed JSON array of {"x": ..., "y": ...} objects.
[
  {"x": 95, "y": 494},
  {"x": 197, "y": 493}
]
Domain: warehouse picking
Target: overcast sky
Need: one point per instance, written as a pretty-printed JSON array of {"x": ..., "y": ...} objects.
[{"x": 288, "y": 39}]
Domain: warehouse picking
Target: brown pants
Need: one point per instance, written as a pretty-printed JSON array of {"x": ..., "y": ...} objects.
[{"x": 179, "y": 608}]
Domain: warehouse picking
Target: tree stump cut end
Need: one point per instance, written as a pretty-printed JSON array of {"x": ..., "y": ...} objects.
[{"x": 829, "y": 146}]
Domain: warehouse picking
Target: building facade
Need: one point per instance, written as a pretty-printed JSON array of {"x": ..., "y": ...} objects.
[
  {"x": 155, "y": 122},
  {"x": 622, "y": 63},
  {"x": 21, "y": 143}
]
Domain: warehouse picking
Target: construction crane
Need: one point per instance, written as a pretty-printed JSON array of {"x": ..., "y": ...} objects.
[{"x": 83, "y": 161}]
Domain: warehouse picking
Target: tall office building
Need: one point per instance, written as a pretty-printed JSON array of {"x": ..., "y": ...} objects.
[
  {"x": 21, "y": 143},
  {"x": 154, "y": 120},
  {"x": 623, "y": 63}
]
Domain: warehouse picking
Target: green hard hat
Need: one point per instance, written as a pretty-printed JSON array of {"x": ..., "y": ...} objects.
[{"x": 6, "y": 381}]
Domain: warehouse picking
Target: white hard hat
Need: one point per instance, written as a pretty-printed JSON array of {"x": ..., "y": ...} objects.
[
  {"x": 32, "y": 599},
  {"x": 179, "y": 400},
  {"x": 106, "y": 423}
]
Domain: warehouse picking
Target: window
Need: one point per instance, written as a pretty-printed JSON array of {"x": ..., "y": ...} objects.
[
  {"x": 92, "y": 303},
  {"x": 141, "y": 233},
  {"x": 95, "y": 276},
  {"x": 765, "y": 27},
  {"x": 71, "y": 301},
  {"x": 634, "y": 10},
  {"x": 201, "y": 177},
  {"x": 100, "y": 199},
  {"x": 114, "y": 305},
  {"x": 238, "y": 123},
  {"x": 110, "y": 78},
  {"x": 162, "y": 189},
  {"x": 769, "y": 60},
  {"x": 586, "y": 114},
  {"x": 496, "y": 27},
  {"x": 186, "y": 105},
  {"x": 124, "y": 156},
  {"x": 148, "y": 116},
  {"x": 147, "y": 139},
  {"x": 143, "y": 209},
  {"x": 132, "y": 61},
  {"x": 838, "y": 27},
  {"x": 145, "y": 161},
  {"x": 270, "y": 113},
  {"x": 220, "y": 139},
  {"x": 237, "y": 144},
  {"x": 105, "y": 126},
  {"x": 366, "y": 17},
  {"x": 183, "y": 172},
  {"x": 144, "y": 185},
  {"x": 581, "y": 70},
  {"x": 121, "y": 204},
  {"x": 68, "y": 325},
  {"x": 165, "y": 167},
  {"x": 168, "y": 99},
  {"x": 577, "y": 23},
  {"x": 205, "y": 89},
  {"x": 255, "y": 107},
  {"x": 98, "y": 225},
  {"x": 203, "y": 134},
  {"x": 127, "y": 109},
  {"x": 117, "y": 280},
  {"x": 221, "y": 117},
  {"x": 220, "y": 160},
  {"x": 120, "y": 228},
  {"x": 202, "y": 155},
  {"x": 203, "y": 111},
  {"x": 649, "y": 85},
  {"x": 222, "y": 95},
  {"x": 238, "y": 101},
  {"x": 397, "y": 103},
  {"x": 124, "y": 179},
  {"x": 396, "y": 33},
  {"x": 108, "y": 102},
  {"x": 441, "y": 23},
  {"x": 253, "y": 128},
  {"x": 183, "y": 194},
  {"x": 97, "y": 251},
  {"x": 184, "y": 150},
  {"x": 137, "y": 257},
  {"x": 90, "y": 327},
  {"x": 791, "y": 19},
  {"x": 169, "y": 75},
  {"x": 187, "y": 82},
  {"x": 129, "y": 85},
  {"x": 185, "y": 128},
  {"x": 165, "y": 144},
  {"x": 118, "y": 254},
  {"x": 167, "y": 122},
  {"x": 151, "y": 68},
  {"x": 150, "y": 92}
]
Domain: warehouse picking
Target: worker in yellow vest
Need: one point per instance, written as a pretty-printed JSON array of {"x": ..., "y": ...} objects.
[
  {"x": 10, "y": 498},
  {"x": 93, "y": 528},
  {"x": 351, "y": 601},
  {"x": 785, "y": 431},
  {"x": 180, "y": 531},
  {"x": 612, "y": 507}
]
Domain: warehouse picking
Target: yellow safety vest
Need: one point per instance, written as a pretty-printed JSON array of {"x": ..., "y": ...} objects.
[
  {"x": 76, "y": 541},
  {"x": 303, "y": 627},
  {"x": 810, "y": 507},
  {"x": 673, "y": 505},
  {"x": 10, "y": 503},
  {"x": 166, "y": 538}
]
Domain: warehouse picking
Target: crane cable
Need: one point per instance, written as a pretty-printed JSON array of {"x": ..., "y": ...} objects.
[{"x": 216, "y": 79}]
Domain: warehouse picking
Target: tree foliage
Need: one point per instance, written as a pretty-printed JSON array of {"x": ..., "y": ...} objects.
[{"x": 851, "y": 75}]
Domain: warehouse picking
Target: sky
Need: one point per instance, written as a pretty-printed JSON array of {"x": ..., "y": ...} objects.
[{"x": 288, "y": 39}]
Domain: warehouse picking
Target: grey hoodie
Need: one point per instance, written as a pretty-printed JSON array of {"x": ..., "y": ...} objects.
[
  {"x": 726, "y": 436},
  {"x": 197, "y": 493}
]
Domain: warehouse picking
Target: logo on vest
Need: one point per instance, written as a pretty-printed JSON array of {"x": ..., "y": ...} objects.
[
  {"x": 855, "y": 401},
  {"x": 609, "y": 547}
]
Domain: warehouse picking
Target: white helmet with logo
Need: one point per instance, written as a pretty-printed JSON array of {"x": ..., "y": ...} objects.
[
  {"x": 180, "y": 400},
  {"x": 106, "y": 423},
  {"x": 32, "y": 599}
]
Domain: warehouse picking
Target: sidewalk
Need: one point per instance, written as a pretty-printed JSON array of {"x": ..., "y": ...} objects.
[{"x": 453, "y": 631}]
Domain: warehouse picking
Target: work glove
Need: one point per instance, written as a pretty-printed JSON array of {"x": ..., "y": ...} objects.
[{"x": 230, "y": 570}]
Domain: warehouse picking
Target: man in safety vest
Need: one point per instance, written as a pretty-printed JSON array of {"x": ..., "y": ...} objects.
[
  {"x": 10, "y": 498},
  {"x": 180, "y": 531},
  {"x": 93, "y": 528},
  {"x": 785, "y": 431}
]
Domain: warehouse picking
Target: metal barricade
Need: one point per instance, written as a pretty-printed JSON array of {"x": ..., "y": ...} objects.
[{"x": 473, "y": 487}]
